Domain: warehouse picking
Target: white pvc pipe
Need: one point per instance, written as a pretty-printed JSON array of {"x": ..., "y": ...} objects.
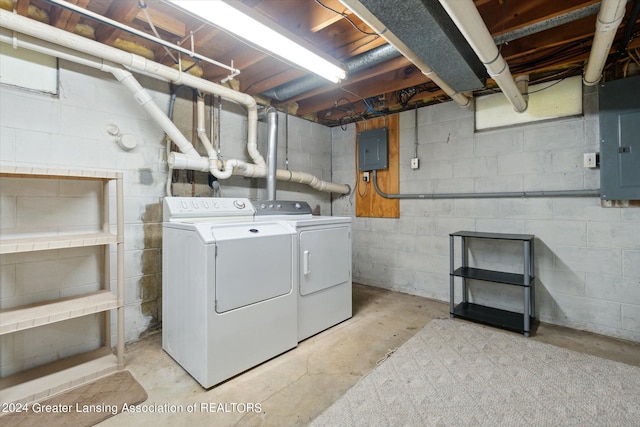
[
  {"x": 214, "y": 167},
  {"x": 55, "y": 42},
  {"x": 368, "y": 18},
  {"x": 76, "y": 43},
  {"x": 181, "y": 161},
  {"x": 104, "y": 20},
  {"x": 312, "y": 181},
  {"x": 125, "y": 77},
  {"x": 468, "y": 20},
  {"x": 609, "y": 18},
  {"x": 143, "y": 98}
]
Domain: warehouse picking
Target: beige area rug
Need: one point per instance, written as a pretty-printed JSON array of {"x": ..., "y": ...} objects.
[
  {"x": 455, "y": 373},
  {"x": 85, "y": 405}
]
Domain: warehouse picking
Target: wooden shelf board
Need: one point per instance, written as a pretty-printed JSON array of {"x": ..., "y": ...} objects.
[
  {"x": 52, "y": 173},
  {"x": 47, "y": 380},
  {"x": 30, "y": 244},
  {"x": 21, "y": 318}
]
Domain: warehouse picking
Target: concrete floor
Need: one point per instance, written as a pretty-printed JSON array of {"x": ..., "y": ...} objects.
[{"x": 294, "y": 388}]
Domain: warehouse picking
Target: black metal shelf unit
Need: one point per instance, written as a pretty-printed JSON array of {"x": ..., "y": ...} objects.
[{"x": 520, "y": 322}]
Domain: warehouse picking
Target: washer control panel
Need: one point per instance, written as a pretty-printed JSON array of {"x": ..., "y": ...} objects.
[
  {"x": 184, "y": 208},
  {"x": 281, "y": 207}
]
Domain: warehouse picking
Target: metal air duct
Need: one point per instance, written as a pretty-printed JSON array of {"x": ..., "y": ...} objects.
[
  {"x": 372, "y": 20},
  {"x": 357, "y": 63}
]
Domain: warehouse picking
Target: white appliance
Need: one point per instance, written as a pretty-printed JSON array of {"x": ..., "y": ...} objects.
[
  {"x": 229, "y": 287},
  {"x": 324, "y": 270}
]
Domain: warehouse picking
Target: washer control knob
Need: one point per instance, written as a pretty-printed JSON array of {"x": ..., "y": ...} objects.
[
  {"x": 184, "y": 204},
  {"x": 195, "y": 204},
  {"x": 239, "y": 204},
  {"x": 297, "y": 206}
]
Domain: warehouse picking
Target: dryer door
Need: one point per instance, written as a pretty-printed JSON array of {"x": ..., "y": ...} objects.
[
  {"x": 253, "y": 263},
  {"x": 324, "y": 258}
]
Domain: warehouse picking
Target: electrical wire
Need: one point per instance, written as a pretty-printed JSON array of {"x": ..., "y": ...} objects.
[
  {"x": 344, "y": 16},
  {"x": 547, "y": 87},
  {"x": 366, "y": 187},
  {"x": 354, "y": 49}
]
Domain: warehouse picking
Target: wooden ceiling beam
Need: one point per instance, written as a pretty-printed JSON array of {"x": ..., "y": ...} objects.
[
  {"x": 244, "y": 60},
  {"x": 66, "y": 19},
  {"x": 321, "y": 18},
  {"x": 163, "y": 21},
  {"x": 389, "y": 82},
  {"x": 22, "y": 7},
  {"x": 369, "y": 77},
  {"x": 512, "y": 15},
  {"x": 285, "y": 76},
  {"x": 121, "y": 11},
  {"x": 567, "y": 34}
]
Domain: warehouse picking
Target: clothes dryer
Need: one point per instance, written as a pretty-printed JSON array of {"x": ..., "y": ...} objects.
[
  {"x": 229, "y": 287},
  {"x": 324, "y": 286}
]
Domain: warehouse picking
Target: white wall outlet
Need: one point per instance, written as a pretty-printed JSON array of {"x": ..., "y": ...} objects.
[
  {"x": 591, "y": 160},
  {"x": 415, "y": 163},
  {"x": 365, "y": 176}
]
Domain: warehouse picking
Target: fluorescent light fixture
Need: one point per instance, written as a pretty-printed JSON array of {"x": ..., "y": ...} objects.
[{"x": 242, "y": 21}]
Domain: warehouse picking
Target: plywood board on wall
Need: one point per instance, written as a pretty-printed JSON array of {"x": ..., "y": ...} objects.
[{"x": 368, "y": 202}]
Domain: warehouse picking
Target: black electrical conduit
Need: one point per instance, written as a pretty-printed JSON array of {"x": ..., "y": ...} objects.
[{"x": 502, "y": 195}]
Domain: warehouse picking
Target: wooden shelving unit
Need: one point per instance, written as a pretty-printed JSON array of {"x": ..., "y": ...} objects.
[
  {"x": 520, "y": 322},
  {"x": 43, "y": 381}
]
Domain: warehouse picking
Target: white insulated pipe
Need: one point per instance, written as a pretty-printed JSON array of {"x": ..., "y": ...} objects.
[
  {"x": 181, "y": 161},
  {"x": 124, "y": 76},
  {"x": 374, "y": 23},
  {"x": 312, "y": 181},
  {"x": 44, "y": 32},
  {"x": 55, "y": 42},
  {"x": 609, "y": 19},
  {"x": 104, "y": 20},
  {"x": 468, "y": 20},
  {"x": 143, "y": 98}
]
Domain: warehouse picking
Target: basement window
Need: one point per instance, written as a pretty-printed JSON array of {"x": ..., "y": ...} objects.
[
  {"x": 550, "y": 100},
  {"x": 28, "y": 70}
]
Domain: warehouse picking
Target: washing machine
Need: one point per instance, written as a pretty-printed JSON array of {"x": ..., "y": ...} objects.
[
  {"x": 229, "y": 287},
  {"x": 324, "y": 271}
]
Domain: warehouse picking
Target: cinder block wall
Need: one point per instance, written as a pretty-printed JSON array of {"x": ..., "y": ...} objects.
[
  {"x": 69, "y": 131},
  {"x": 302, "y": 146},
  {"x": 587, "y": 256}
]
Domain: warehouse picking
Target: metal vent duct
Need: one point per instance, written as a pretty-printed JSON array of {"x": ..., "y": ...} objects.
[
  {"x": 426, "y": 28},
  {"x": 357, "y": 63}
]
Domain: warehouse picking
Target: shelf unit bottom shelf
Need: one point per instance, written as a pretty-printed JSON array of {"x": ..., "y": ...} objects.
[
  {"x": 492, "y": 316},
  {"x": 47, "y": 380}
]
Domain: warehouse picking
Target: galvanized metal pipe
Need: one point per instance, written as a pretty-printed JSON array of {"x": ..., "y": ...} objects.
[
  {"x": 272, "y": 152},
  {"x": 496, "y": 195},
  {"x": 547, "y": 24}
]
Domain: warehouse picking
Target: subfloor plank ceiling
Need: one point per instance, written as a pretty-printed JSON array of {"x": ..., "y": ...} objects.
[{"x": 546, "y": 39}]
